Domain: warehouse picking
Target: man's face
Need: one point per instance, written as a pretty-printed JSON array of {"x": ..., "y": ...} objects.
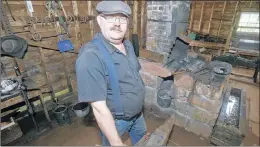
[{"x": 113, "y": 27}]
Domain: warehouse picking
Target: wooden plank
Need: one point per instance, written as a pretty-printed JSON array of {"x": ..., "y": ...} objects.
[
  {"x": 77, "y": 27},
  {"x": 222, "y": 14},
  {"x": 201, "y": 15},
  {"x": 236, "y": 15},
  {"x": 191, "y": 17},
  {"x": 211, "y": 15},
  {"x": 160, "y": 136},
  {"x": 45, "y": 75}
]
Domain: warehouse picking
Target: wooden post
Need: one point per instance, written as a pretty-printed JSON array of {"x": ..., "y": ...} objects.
[
  {"x": 222, "y": 14},
  {"x": 143, "y": 28},
  {"x": 77, "y": 27},
  {"x": 135, "y": 12},
  {"x": 65, "y": 67},
  {"x": 232, "y": 27},
  {"x": 211, "y": 15},
  {"x": 201, "y": 15},
  {"x": 250, "y": 4},
  {"x": 191, "y": 16},
  {"x": 91, "y": 22}
]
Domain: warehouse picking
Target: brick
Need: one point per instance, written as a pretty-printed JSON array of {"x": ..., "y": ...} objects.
[
  {"x": 212, "y": 91},
  {"x": 199, "y": 128},
  {"x": 150, "y": 98},
  {"x": 160, "y": 7},
  {"x": 203, "y": 102},
  {"x": 153, "y": 68},
  {"x": 201, "y": 115},
  {"x": 184, "y": 80},
  {"x": 148, "y": 79}
]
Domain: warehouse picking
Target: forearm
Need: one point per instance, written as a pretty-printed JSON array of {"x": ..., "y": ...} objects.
[{"x": 107, "y": 124}]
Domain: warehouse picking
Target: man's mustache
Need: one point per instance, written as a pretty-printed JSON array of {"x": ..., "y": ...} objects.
[{"x": 116, "y": 29}]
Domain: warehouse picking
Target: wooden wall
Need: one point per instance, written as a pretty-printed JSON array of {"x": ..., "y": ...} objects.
[
  {"x": 218, "y": 17},
  {"x": 50, "y": 69}
]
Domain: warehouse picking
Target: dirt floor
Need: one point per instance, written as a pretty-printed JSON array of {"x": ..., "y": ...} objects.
[{"x": 80, "y": 133}]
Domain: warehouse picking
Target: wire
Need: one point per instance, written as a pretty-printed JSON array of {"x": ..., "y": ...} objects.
[{"x": 8, "y": 7}]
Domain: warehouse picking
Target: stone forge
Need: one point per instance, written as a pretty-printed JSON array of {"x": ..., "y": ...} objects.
[{"x": 195, "y": 98}]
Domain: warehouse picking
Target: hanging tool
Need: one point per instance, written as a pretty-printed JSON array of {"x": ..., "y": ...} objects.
[{"x": 37, "y": 37}]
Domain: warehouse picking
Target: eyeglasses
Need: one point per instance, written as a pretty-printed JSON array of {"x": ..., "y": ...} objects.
[{"x": 112, "y": 19}]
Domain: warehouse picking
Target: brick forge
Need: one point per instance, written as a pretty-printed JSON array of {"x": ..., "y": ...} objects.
[
  {"x": 166, "y": 20},
  {"x": 194, "y": 100}
]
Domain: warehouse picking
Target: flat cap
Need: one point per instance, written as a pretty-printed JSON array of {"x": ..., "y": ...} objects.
[{"x": 113, "y": 7}]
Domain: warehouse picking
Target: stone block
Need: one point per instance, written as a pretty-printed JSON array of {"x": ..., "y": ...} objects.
[
  {"x": 179, "y": 92},
  {"x": 185, "y": 80},
  {"x": 148, "y": 79},
  {"x": 211, "y": 90},
  {"x": 181, "y": 105},
  {"x": 150, "y": 98},
  {"x": 154, "y": 68},
  {"x": 203, "y": 102},
  {"x": 199, "y": 128},
  {"x": 181, "y": 119},
  {"x": 201, "y": 115}
]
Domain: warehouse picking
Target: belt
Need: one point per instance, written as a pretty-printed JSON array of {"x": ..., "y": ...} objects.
[{"x": 129, "y": 119}]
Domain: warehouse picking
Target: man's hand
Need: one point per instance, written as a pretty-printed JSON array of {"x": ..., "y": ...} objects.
[{"x": 106, "y": 122}]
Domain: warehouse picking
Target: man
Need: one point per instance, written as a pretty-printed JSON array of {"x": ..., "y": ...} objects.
[{"x": 94, "y": 85}]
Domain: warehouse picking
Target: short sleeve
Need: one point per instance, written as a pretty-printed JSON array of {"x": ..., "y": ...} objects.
[{"x": 91, "y": 79}]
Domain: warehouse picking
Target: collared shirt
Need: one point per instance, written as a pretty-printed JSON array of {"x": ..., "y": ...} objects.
[{"x": 93, "y": 81}]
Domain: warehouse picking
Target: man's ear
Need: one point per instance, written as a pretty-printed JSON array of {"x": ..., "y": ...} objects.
[{"x": 99, "y": 20}]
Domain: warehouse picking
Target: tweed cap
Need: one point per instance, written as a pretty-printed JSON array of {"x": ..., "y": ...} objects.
[{"x": 113, "y": 7}]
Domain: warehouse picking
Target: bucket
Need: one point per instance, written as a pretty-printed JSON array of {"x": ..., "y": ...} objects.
[
  {"x": 81, "y": 109},
  {"x": 61, "y": 114}
]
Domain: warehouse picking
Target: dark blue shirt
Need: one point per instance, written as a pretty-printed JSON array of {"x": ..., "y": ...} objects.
[{"x": 93, "y": 81}]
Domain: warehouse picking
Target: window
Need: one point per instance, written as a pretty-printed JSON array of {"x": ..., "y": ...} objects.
[{"x": 249, "y": 22}]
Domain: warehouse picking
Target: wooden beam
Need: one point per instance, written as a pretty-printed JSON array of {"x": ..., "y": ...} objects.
[
  {"x": 91, "y": 22},
  {"x": 191, "y": 16},
  {"x": 45, "y": 74},
  {"x": 211, "y": 16},
  {"x": 250, "y": 4},
  {"x": 222, "y": 14},
  {"x": 232, "y": 27},
  {"x": 135, "y": 12},
  {"x": 201, "y": 16},
  {"x": 161, "y": 134},
  {"x": 77, "y": 27},
  {"x": 143, "y": 27}
]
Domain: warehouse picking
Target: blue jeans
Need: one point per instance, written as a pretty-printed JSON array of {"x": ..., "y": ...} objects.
[{"x": 136, "y": 129}]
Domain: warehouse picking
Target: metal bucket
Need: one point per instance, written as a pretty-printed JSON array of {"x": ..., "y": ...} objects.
[
  {"x": 61, "y": 114},
  {"x": 81, "y": 109}
]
